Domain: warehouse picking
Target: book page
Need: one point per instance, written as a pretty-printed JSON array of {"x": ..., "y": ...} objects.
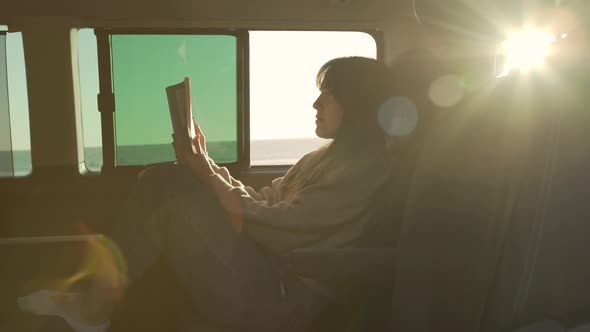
[{"x": 179, "y": 103}]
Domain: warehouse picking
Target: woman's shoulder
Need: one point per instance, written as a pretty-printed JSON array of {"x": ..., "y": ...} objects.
[
  {"x": 362, "y": 164},
  {"x": 313, "y": 156},
  {"x": 334, "y": 167}
]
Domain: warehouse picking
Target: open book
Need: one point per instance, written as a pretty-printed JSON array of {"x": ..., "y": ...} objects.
[{"x": 179, "y": 103}]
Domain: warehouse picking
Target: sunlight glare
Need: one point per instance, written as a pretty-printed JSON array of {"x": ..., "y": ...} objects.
[{"x": 526, "y": 50}]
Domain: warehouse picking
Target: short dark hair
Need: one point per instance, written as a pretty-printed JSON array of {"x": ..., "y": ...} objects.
[{"x": 360, "y": 85}]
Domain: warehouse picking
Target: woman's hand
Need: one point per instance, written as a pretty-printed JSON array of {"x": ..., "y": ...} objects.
[
  {"x": 198, "y": 163},
  {"x": 219, "y": 170},
  {"x": 202, "y": 140}
]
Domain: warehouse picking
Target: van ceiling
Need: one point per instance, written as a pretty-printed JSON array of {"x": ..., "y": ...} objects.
[
  {"x": 474, "y": 12},
  {"x": 226, "y": 10}
]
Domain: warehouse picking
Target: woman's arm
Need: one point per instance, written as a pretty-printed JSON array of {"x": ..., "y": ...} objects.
[
  {"x": 200, "y": 165},
  {"x": 229, "y": 199},
  {"x": 224, "y": 172},
  {"x": 318, "y": 210}
]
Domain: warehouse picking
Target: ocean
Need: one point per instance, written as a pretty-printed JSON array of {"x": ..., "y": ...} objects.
[{"x": 262, "y": 152}]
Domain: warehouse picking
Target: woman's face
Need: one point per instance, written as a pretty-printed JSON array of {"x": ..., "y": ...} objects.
[{"x": 328, "y": 116}]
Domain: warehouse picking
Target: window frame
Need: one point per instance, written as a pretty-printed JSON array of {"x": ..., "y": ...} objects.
[
  {"x": 278, "y": 170},
  {"x": 106, "y": 98},
  {"x": 25, "y": 177},
  {"x": 377, "y": 35},
  {"x": 11, "y": 151}
]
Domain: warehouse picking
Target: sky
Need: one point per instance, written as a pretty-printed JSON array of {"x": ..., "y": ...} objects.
[{"x": 283, "y": 66}]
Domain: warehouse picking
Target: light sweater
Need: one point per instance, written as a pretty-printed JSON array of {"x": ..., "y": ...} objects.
[{"x": 306, "y": 208}]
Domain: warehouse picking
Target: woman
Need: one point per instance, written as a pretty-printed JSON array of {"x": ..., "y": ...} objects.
[{"x": 225, "y": 240}]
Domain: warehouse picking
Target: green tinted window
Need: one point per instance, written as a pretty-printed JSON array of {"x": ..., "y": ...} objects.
[
  {"x": 143, "y": 65},
  {"x": 15, "y": 144}
]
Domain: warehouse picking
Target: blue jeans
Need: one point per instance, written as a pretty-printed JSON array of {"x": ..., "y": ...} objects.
[{"x": 231, "y": 281}]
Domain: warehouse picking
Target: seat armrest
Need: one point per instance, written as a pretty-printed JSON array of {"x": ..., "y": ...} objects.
[
  {"x": 43, "y": 257},
  {"x": 348, "y": 265}
]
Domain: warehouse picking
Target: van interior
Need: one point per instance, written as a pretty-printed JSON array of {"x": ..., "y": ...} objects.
[{"x": 488, "y": 227}]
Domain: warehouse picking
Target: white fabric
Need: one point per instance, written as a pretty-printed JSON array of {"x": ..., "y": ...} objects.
[{"x": 43, "y": 303}]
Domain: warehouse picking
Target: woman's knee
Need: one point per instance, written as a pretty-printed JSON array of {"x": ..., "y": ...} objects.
[
  {"x": 169, "y": 180},
  {"x": 163, "y": 174},
  {"x": 157, "y": 171}
]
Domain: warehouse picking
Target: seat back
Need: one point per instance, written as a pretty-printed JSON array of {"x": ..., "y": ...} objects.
[
  {"x": 369, "y": 266},
  {"x": 414, "y": 70},
  {"x": 545, "y": 270},
  {"x": 455, "y": 216}
]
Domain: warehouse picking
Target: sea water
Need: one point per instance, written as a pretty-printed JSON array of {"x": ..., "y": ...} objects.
[{"x": 262, "y": 152}]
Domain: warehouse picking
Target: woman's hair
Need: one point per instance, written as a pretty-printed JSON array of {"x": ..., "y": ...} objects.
[{"x": 360, "y": 85}]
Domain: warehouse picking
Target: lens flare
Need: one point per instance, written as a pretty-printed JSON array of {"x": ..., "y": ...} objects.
[
  {"x": 104, "y": 264},
  {"x": 103, "y": 261},
  {"x": 398, "y": 116},
  {"x": 182, "y": 51},
  {"x": 446, "y": 91},
  {"x": 84, "y": 300}
]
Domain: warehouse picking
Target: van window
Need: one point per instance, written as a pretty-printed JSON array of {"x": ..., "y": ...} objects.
[
  {"x": 144, "y": 65},
  {"x": 15, "y": 139},
  {"x": 283, "y": 68},
  {"x": 88, "y": 83},
  {"x": 281, "y": 90}
]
